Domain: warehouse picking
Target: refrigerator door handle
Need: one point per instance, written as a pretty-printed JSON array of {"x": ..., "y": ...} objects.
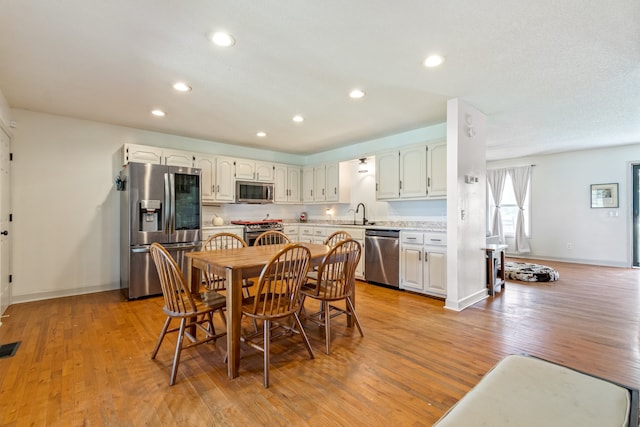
[
  {"x": 169, "y": 200},
  {"x": 172, "y": 203}
]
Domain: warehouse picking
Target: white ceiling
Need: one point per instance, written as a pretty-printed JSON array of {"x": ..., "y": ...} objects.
[{"x": 550, "y": 75}]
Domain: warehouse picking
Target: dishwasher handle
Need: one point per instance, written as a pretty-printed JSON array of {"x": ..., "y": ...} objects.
[{"x": 382, "y": 233}]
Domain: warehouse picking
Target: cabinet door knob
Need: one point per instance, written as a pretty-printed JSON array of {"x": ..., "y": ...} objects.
[{"x": 5, "y": 233}]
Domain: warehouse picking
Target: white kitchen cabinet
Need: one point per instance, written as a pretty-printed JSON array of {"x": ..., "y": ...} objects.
[
  {"x": 387, "y": 175},
  {"x": 338, "y": 182},
  {"x": 141, "y": 154},
  {"x": 357, "y": 234},
  {"x": 252, "y": 170},
  {"x": 177, "y": 158},
  {"x": 287, "y": 184},
  {"x": 414, "y": 173},
  {"x": 307, "y": 184},
  {"x": 437, "y": 170},
  {"x": 207, "y": 165},
  {"x": 423, "y": 262},
  {"x": 319, "y": 183},
  {"x": 156, "y": 155},
  {"x": 292, "y": 232},
  {"x": 225, "y": 182},
  {"x": 306, "y": 233},
  {"x": 210, "y": 231},
  {"x": 327, "y": 183}
]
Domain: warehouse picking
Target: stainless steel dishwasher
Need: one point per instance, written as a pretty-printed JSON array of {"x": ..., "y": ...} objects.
[{"x": 382, "y": 257}]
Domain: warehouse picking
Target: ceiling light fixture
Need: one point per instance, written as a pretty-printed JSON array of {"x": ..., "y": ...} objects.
[
  {"x": 158, "y": 113},
  {"x": 362, "y": 166},
  {"x": 261, "y": 134},
  {"x": 298, "y": 119},
  {"x": 433, "y": 61},
  {"x": 222, "y": 39},
  {"x": 356, "y": 94},
  {"x": 182, "y": 87}
]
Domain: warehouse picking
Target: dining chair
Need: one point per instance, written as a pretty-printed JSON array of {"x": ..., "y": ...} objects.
[
  {"x": 179, "y": 303},
  {"x": 271, "y": 237},
  {"x": 222, "y": 241},
  {"x": 335, "y": 282},
  {"x": 331, "y": 241},
  {"x": 336, "y": 237},
  {"x": 276, "y": 300}
]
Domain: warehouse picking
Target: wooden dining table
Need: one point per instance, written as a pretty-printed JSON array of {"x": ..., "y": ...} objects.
[{"x": 236, "y": 264}]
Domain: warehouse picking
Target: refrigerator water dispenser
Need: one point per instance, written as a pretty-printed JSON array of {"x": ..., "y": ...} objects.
[{"x": 150, "y": 215}]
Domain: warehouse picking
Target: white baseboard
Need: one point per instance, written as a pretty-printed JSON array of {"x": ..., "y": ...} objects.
[
  {"x": 17, "y": 299},
  {"x": 466, "y": 302}
]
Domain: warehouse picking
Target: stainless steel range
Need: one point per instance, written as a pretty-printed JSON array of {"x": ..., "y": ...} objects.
[{"x": 252, "y": 229}]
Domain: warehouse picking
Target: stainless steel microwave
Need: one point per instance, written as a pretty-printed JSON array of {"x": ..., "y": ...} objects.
[{"x": 254, "y": 192}]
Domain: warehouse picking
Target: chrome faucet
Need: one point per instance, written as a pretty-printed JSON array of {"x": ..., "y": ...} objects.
[{"x": 364, "y": 213}]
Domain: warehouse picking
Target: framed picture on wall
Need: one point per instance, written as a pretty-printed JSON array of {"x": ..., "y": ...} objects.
[{"x": 604, "y": 195}]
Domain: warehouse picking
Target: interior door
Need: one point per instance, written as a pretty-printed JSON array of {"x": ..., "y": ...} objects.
[
  {"x": 5, "y": 207},
  {"x": 636, "y": 215}
]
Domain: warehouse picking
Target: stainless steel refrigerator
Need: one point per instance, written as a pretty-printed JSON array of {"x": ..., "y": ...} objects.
[{"x": 158, "y": 204}]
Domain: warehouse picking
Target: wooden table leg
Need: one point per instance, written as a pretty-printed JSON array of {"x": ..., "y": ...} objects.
[
  {"x": 234, "y": 315},
  {"x": 193, "y": 281}
]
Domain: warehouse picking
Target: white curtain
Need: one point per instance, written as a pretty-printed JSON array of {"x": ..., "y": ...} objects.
[
  {"x": 520, "y": 180},
  {"x": 495, "y": 179}
]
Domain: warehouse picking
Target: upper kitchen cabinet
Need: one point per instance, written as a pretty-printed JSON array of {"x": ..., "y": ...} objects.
[
  {"x": 225, "y": 182},
  {"x": 177, "y": 158},
  {"x": 327, "y": 183},
  {"x": 413, "y": 173},
  {"x": 141, "y": 154},
  {"x": 207, "y": 165},
  {"x": 287, "y": 184},
  {"x": 254, "y": 171},
  {"x": 387, "y": 175},
  {"x": 156, "y": 155},
  {"x": 437, "y": 170},
  {"x": 217, "y": 178}
]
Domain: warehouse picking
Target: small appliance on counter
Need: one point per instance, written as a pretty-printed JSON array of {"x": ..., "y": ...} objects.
[
  {"x": 303, "y": 217},
  {"x": 217, "y": 221}
]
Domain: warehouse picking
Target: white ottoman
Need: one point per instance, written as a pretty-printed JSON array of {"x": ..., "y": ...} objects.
[{"x": 525, "y": 391}]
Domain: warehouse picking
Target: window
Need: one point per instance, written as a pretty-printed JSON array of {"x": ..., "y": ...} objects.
[{"x": 509, "y": 209}]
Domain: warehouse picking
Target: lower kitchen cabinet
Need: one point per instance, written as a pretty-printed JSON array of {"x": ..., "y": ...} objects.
[
  {"x": 292, "y": 232},
  {"x": 423, "y": 263},
  {"x": 210, "y": 231}
]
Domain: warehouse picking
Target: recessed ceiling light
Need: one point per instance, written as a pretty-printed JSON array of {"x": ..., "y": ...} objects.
[
  {"x": 182, "y": 87},
  {"x": 356, "y": 94},
  {"x": 261, "y": 134},
  {"x": 433, "y": 61},
  {"x": 158, "y": 113},
  {"x": 222, "y": 39},
  {"x": 298, "y": 119}
]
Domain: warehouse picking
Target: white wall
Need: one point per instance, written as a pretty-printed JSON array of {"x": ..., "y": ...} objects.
[
  {"x": 561, "y": 210},
  {"x": 66, "y": 211},
  {"x": 466, "y": 208}
]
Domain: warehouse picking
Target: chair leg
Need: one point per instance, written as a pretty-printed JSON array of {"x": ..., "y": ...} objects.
[
  {"x": 267, "y": 350},
  {"x": 303, "y": 334},
  {"x": 327, "y": 326},
  {"x": 223, "y": 317},
  {"x": 161, "y": 337},
  {"x": 176, "y": 357},
  {"x": 355, "y": 316}
]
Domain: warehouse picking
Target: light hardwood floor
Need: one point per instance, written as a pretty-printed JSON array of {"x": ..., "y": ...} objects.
[{"x": 84, "y": 360}]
